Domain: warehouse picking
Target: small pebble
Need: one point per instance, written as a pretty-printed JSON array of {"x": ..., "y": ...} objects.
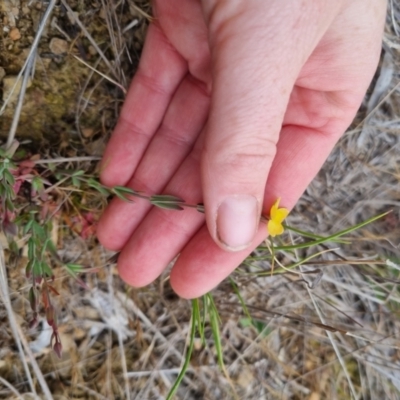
[
  {"x": 92, "y": 50},
  {"x": 87, "y": 132},
  {"x": 58, "y": 46},
  {"x": 8, "y": 84},
  {"x": 15, "y": 34}
]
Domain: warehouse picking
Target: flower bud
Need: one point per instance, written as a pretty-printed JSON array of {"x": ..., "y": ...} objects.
[{"x": 58, "y": 349}]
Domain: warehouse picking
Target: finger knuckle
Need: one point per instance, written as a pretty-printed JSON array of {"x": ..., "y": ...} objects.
[{"x": 249, "y": 156}]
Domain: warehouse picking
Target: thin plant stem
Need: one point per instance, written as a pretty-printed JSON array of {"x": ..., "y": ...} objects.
[{"x": 189, "y": 351}]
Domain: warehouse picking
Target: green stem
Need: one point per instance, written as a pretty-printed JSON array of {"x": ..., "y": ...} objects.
[{"x": 188, "y": 353}]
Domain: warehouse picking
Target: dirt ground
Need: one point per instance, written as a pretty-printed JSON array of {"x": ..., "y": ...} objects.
[{"x": 119, "y": 342}]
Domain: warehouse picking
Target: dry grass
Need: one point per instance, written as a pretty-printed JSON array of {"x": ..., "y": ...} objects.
[{"x": 122, "y": 343}]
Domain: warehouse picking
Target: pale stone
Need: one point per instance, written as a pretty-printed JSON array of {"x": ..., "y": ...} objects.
[
  {"x": 87, "y": 132},
  {"x": 8, "y": 84},
  {"x": 15, "y": 34},
  {"x": 58, "y": 46}
]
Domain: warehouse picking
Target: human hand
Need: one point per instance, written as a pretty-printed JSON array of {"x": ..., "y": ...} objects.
[{"x": 239, "y": 99}]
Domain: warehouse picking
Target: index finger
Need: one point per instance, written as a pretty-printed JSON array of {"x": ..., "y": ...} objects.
[{"x": 160, "y": 71}]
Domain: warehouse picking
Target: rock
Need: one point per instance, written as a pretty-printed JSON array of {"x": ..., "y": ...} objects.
[
  {"x": 96, "y": 147},
  {"x": 87, "y": 132},
  {"x": 15, "y": 11},
  {"x": 15, "y": 34},
  {"x": 8, "y": 84},
  {"x": 92, "y": 50},
  {"x": 58, "y": 46}
]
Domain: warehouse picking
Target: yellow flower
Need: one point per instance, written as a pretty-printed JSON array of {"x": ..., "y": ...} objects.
[{"x": 277, "y": 215}]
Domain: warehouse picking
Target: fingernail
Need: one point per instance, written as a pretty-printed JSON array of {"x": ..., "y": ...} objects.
[{"x": 237, "y": 221}]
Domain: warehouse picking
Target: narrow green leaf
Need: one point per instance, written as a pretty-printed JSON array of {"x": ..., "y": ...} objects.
[
  {"x": 188, "y": 355},
  {"x": 311, "y": 235},
  {"x": 46, "y": 269},
  {"x": 121, "y": 195},
  {"x": 8, "y": 176},
  {"x": 37, "y": 183},
  {"x": 197, "y": 316},
  {"x": 43, "y": 249},
  {"x": 51, "y": 247},
  {"x": 93, "y": 183},
  {"x": 9, "y": 193},
  {"x": 123, "y": 189},
  {"x": 78, "y": 173},
  {"x": 28, "y": 226},
  {"x": 74, "y": 268},
  {"x": 9, "y": 205},
  {"x": 38, "y": 231},
  {"x": 76, "y": 182},
  {"x": 37, "y": 269},
  {"x": 167, "y": 206},
  {"x": 167, "y": 202},
  {"x": 166, "y": 198},
  {"x": 204, "y": 313},
  {"x": 98, "y": 186},
  {"x": 214, "y": 322}
]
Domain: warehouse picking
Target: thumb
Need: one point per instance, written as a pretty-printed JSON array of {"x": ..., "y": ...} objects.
[{"x": 257, "y": 53}]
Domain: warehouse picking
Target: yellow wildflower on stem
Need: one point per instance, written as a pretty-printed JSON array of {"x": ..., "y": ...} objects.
[{"x": 276, "y": 218}]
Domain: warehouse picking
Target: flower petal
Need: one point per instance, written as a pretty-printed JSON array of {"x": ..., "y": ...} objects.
[
  {"x": 280, "y": 215},
  {"x": 274, "y": 228},
  {"x": 274, "y": 208}
]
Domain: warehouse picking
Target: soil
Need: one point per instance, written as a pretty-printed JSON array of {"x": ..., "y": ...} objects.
[{"x": 65, "y": 98}]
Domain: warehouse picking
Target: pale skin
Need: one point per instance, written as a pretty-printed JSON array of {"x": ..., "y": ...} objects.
[{"x": 233, "y": 99}]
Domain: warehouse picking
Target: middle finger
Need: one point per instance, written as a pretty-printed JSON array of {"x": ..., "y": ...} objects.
[{"x": 184, "y": 119}]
